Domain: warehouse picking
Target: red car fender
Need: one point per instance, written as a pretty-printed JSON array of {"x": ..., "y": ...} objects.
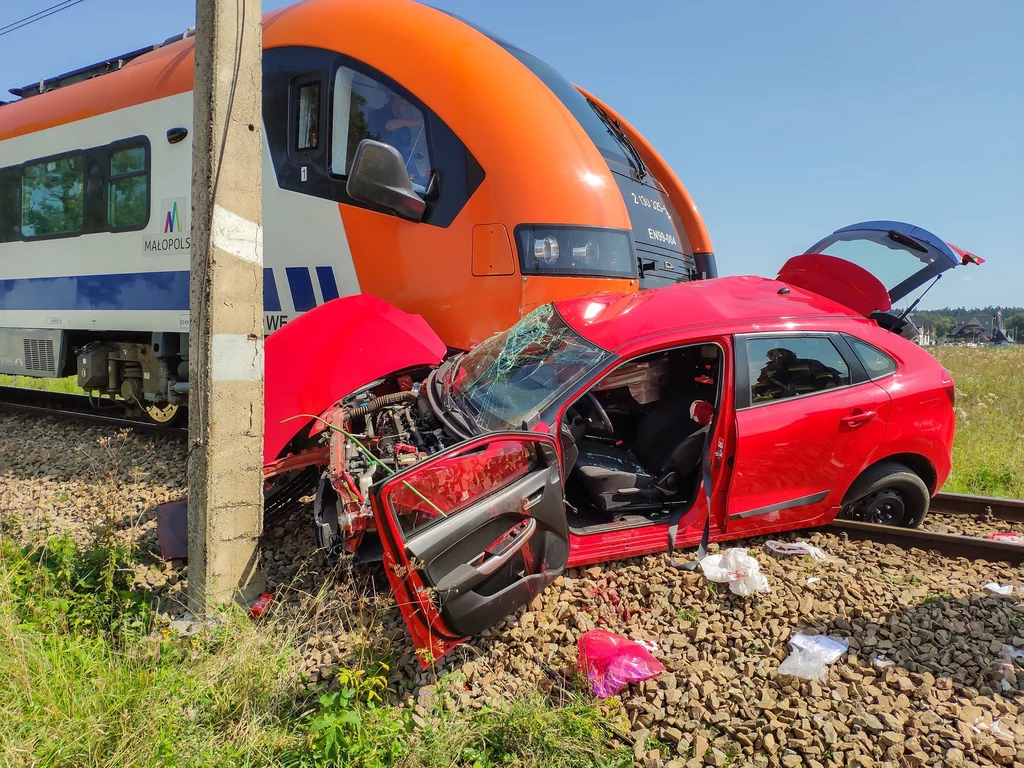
[{"x": 330, "y": 352}]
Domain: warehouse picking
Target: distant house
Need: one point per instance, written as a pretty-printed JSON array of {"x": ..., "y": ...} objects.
[
  {"x": 971, "y": 330},
  {"x": 925, "y": 330}
]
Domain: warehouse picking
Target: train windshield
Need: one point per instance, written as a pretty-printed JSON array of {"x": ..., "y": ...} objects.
[{"x": 589, "y": 119}]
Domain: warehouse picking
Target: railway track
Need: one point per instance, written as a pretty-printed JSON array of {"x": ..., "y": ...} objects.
[
  {"x": 65, "y": 405},
  {"x": 983, "y": 508}
]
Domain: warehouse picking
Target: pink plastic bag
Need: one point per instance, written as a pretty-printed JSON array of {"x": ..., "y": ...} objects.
[{"x": 611, "y": 662}]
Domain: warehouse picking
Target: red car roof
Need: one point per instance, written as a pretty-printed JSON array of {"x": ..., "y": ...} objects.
[{"x": 615, "y": 320}]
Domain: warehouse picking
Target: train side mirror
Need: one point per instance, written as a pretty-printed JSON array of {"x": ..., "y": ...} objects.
[{"x": 378, "y": 175}]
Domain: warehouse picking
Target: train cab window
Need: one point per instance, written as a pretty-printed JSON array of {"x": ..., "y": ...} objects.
[
  {"x": 307, "y": 133},
  {"x": 366, "y": 109},
  {"x": 128, "y": 189},
  {"x": 51, "y": 197}
]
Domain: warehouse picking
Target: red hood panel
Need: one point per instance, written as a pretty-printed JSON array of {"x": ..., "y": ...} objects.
[
  {"x": 837, "y": 279},
  {"x": 330, "y": 352}
]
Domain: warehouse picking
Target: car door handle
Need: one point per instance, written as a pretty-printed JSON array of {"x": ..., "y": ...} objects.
[
  {"x": 855, "y": 419},
  {"x": 506, "y": 547}
]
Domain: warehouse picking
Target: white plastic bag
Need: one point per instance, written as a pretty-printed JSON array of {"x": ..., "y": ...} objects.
[
  {"x": 735, "y": 567},
  {"x": 1003, "y": 590},
  {"x": 811, "y": 656},
  {"x": 790, "y": 548}
]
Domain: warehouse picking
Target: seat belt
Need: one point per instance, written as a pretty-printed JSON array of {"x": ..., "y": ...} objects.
[{"x": 673, "y": 525}]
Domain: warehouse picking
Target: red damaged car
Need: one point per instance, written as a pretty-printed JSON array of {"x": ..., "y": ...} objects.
[{"x": 596, "y": 428}]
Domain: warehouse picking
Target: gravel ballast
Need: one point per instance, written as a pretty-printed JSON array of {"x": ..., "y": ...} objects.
[{"x": 923, "y": 683}]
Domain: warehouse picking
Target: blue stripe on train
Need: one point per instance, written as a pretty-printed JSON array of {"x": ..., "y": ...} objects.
[
  {"x": 167, "y": 291},
  {"x": 301, "y": 287},
  {"x": 141, "y": 290},
  {"x": 328, "y": 287},
  {"x": 271, "y": 298}
]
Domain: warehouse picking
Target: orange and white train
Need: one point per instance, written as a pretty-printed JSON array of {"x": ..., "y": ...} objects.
[{"x": 523, "y": 188}]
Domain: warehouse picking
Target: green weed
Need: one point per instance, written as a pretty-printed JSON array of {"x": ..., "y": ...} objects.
[
  {"x": 69, "y": 384},
  {"x": 988, "y": 455},
  {"x": 687, "y": 614}
]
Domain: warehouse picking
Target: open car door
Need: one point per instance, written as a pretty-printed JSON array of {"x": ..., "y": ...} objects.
[
  {"x": 872, "y": 265},
  {"x": 472, "y": 534}
]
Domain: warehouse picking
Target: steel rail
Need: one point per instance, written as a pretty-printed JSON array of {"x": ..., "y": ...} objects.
[
  {"x": 985, "y": 508},
  {"x": 948, "y": 544},
  {"x": 66, "y": 405}
]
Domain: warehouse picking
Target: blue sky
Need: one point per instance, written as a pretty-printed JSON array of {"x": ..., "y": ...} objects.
[{"x": 785, "y": 120}]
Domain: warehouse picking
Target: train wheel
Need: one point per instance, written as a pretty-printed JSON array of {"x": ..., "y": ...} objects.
[
  {"x": 887, "y": 494},
  {"x": 165, "y": 415}
]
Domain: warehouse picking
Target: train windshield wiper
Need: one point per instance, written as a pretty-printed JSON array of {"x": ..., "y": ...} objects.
[{"x": 633, "y": 156}]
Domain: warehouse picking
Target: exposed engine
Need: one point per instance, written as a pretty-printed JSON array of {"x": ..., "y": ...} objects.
[{"x": 370, "y": 436}]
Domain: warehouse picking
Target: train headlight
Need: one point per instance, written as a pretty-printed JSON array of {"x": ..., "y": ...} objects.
[
  {"x": 545, "y": 250},
  {"x": 589, "y": 254},
  {"x": 591, "y": 251}
]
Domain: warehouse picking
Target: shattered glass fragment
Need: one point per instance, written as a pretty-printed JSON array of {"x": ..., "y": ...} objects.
[{"x": 523, "y": 369}]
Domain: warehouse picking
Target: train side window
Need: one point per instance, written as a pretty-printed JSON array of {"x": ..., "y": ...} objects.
[
  {"x": 128, "y": 189},
  {"x": 51, "y": 197},
  {"x": 364, "y": 108},
  {"x": 307, "y": 128}
]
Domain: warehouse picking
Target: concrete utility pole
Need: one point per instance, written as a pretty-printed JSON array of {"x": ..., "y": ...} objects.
[{"x": 225, "y": 481}]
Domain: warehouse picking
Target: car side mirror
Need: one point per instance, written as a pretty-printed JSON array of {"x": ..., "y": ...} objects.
[{"x": 378, "y": 175}]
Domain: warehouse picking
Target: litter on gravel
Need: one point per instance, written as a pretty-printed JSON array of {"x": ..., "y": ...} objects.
[
  {"x": 736, "y": 568},
  {"x": 1003, "y": 590},
  {"x": 611, "y": 662},
  {"x": 811, "y": 655},
  {"x": 793, "y": 548}
]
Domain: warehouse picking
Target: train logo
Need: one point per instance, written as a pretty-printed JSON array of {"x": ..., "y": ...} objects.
[
  {"x": 173, "y": 219},
  {"x": 174, "y": 215}
]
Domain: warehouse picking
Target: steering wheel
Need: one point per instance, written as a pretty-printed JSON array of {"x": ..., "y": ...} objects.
[{"x": 602, "y": 414}]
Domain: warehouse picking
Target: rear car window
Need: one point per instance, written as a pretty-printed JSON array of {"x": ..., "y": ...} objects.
[
  {"x": 875, "y": 360},
  {"x": 783, "y": 368}
]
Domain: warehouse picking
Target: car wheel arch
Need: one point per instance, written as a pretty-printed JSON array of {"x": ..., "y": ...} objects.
[{"x": 915, "y": 462}]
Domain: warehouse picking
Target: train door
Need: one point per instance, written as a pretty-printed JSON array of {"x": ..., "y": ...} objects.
[{"x": 321, "y": 240}]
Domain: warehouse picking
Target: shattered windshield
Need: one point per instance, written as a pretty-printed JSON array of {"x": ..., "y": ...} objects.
[{"x": 518, "y": 372}]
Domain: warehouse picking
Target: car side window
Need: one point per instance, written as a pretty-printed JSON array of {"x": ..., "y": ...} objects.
[
  {"x": 786, "y": 367},
  {"x": 363, "y": 108},
  {"x": 875, "y": 360}
]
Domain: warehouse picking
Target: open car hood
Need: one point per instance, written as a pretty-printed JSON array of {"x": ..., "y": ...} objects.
[
  {"x": 330, "y": 352},
  {"x": 870, "y": 266}
]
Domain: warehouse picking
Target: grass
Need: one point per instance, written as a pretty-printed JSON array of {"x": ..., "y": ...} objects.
[
  {"x": 988, "y": 453},
  {"x": 49, "y": 385},
  {"x": 88, "y": 680}
]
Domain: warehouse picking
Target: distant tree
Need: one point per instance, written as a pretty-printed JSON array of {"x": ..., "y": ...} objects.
[
  {"x": 942, "y": 325},
  {"x": 1015, "y": 326}
]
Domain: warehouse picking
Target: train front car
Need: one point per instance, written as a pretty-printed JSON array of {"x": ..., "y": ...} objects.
[{"x": 522, "y": 189}]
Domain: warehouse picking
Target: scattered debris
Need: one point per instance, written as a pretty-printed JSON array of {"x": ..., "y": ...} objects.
[
  {"x": 1011, "y": 652},
  {"x": 813, "y": 579},
  {"x": 186, "y": 626},
  {"x": 879, "y": 660},
  {"x": 611, "y": 662},
  {"x": 172, "y": 529},
  {"x": 737, "y": 568},
  {"x": 261, "y": 606},
  {"x": 1009, "y": 536},
  {"x": 811, "y": 656},
  {"x": 791, "y": 548},
  {"x": 1003, "y": 590}
]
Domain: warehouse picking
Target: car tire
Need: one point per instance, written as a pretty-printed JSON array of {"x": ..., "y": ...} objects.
[{"x": 889, "y": 494}]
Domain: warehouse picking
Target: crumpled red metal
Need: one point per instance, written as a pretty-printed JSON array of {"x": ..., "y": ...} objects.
[{"x": 330, "y": 352}]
